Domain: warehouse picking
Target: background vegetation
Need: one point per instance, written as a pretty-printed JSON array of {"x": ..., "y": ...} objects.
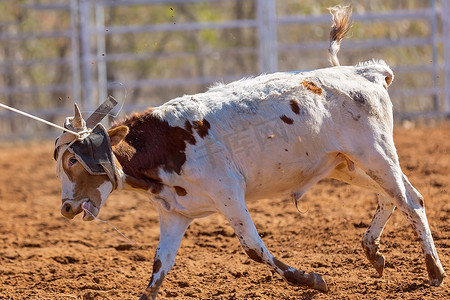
[{"x": 31, "y": 61}]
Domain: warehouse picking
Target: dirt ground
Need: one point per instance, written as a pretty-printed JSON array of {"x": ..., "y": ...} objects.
[{"x": 44, "y": 256}]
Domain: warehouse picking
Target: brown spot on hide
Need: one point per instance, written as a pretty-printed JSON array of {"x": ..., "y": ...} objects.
[
  {"x": 188, "y": 126},
  {"x": 312, "y": 87},
  {"x": 156, "y": 266},
  {"x": 287, "y": 120},
  {"x": 152, "y": 144},
  {"x": 280, "y": 265},
  {"x": 295, "y": 108},
  {"x": 421, "y": 202},
  {"x": 253, "y": 254},
  {"x": 151, "y": 174},
  {"x": 156, "y": 189},
  {"x": 271, "y": 136},
  {"x": 152, "y": 177},
  {"x": 144, "y": 184},
  {"x": 180, "y": 191},
  {"x": 202, "y": 127}
]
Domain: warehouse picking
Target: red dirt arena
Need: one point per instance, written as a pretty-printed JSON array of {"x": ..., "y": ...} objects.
[{"x": 45, "y": 256}]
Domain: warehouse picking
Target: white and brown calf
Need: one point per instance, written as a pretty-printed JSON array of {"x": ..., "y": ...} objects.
[{"x": 270, "y": 136}]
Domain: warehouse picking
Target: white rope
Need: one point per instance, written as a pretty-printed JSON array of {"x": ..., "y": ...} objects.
[
  {"x": 124, "y": 239},
  {"x": 77, "y": 134}
]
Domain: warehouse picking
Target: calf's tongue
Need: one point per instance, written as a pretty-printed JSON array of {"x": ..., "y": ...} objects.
[{"x": 89, "y": 210}]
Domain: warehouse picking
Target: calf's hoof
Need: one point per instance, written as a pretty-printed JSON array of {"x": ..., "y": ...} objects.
[
  {"x": 437, "y": 279},
  {"x": 371, "y": 249},
  {"x": 436, "y": 273},
  {"x": 149, "y": 294},
  {"x": 311, "y": 280},
  {"x": 143, "y": 297},
  {"x": 318, "y": 283},
  {"x": 379, "y": 264}
]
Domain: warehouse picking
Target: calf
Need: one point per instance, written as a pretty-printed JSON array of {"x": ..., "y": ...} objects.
[{"x": 269, "y": 136}]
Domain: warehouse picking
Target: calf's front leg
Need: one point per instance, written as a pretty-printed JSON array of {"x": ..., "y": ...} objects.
[{"x": 172, "y": 228}]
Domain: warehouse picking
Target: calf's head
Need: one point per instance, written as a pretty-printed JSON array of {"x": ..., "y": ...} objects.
[{"x": 86, "y": 167}]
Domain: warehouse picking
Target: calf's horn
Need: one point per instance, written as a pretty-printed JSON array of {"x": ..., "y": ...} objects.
[{"x": 77, "y": 121}]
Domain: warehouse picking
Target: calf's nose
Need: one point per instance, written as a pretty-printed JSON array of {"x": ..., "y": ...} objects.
[
  {"x": 66, "y": 210},
  {"x": 67, "y": 207}
]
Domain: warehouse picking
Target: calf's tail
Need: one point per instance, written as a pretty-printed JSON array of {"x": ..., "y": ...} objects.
[{"x": 340, "y": 16}]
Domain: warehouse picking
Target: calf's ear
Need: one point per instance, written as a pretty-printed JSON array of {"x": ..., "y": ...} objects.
[{"x": 116, "y": 135}]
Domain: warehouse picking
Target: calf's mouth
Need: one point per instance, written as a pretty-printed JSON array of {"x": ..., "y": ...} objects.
[
  {"x": 70, "y": 208},
  {"x": 90, "y": 211}
]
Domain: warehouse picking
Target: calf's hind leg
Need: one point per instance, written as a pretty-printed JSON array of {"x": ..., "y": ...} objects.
[
  {"x": 385, "y": 170},
  {"x": 371, "y": 238},
  {"x": 237, "y": 214},
  {"x": 415, "y": 213}
]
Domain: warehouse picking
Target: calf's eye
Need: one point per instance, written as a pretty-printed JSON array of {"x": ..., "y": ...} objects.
[{"x": 72, "y": 161}]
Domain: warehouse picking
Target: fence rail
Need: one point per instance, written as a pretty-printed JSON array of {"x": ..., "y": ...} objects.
[{"x": 92, "y": 54}]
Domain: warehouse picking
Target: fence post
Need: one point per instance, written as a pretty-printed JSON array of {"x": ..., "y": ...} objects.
[
  {"x": 267, "y": 35},
  {"x": 76, "y": 85},
  {"x": 445, "y": 14},
  {"x": 85, "y": 38},
  {"x": 435, "y": 45},
  {"x": 101, "y": 50}
]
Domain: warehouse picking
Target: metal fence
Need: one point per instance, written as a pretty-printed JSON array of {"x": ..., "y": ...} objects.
[{"x": 59, "y": 52}]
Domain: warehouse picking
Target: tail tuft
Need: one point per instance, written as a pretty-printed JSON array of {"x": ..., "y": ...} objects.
[{"x": 340, "y": 17}]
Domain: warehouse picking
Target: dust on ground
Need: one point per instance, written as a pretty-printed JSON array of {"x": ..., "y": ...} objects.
[{"x": 44, "y": 256}]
